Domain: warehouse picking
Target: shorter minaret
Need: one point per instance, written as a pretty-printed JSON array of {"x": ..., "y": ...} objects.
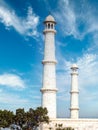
[{"x": 74, "y": 107}]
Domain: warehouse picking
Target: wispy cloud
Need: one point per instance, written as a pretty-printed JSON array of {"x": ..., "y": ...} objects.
[
  {"x": 76, "y": 22},
  {"x": 12, "y": 80},
  {"x": 30, "y": 23},
  {"x": 6, "y": 98},
  {"x": 88, "y": 72},
  {"x": 66, "y": 18},
  {"x": 25, "y": 26},
  {"x": 14, "y": 101},
  {"x": 88, "y": 90}
]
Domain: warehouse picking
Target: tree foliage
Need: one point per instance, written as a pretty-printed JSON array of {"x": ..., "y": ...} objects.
[
  {"x": 36, "y": 117},
  {"x": 29, "y": 120},
  {"x": 6, "y": 118},
  {"x": 60, "y": 127}
]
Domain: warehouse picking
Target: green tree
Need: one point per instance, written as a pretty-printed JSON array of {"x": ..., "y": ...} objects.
[
  {"x": 20, "y": 117},
  {"x": 36, "y": 117},
  {"x": 6, "y": 118},
  {"x": 29, "y": 120}
]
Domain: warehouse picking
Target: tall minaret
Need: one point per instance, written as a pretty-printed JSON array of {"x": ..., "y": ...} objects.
[
  {"x": 49, "y": 73},
  {"x": 74, "y": 108}
]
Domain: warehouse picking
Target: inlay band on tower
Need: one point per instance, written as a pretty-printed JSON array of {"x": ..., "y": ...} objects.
[{"x": 49, "y": 73}]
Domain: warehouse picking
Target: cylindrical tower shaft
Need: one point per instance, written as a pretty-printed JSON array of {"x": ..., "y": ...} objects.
[
  {"x": 74, "y": 107},
  {"x": 49, "y": 73}
]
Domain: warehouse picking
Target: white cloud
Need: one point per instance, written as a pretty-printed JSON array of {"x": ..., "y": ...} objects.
[
  {"x": 88, "y": 80},
  {"x": 93, "y": 43},
  {"x": 88, "y": 73},
  {"x": 66, "y": 18},
  {"x": 74, "y": 21},
  {"x": 12, "y": 101},
  {"x": 6, "y": 98},
  {"x": 25, "y": 26},
  {"x": 12, "y": 80},
  {"x": 30, "y": 23},
  {"x": 69, "y": 20},
  {"x": 88, "y": 69},
  {"x": 1, "y": 90}
]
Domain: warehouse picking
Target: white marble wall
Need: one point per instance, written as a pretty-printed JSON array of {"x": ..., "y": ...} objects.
[
  {"x": 49, "y": 79},
  {"x": 78, "y": 124},
  {"x": 49, "y": 101},
  {"x": 49, "y": 50}
]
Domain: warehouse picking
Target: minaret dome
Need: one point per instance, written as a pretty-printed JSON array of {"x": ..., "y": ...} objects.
[
  {"x": 74, "y": 66},
  {"x": 50, "y": 18}
]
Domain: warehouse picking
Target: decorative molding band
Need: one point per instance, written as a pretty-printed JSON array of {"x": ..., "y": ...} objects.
[
  {"x": 48, "y": 89},
  {"x": 76, "y": 108},
  {"x": 49, "y": 30},
  {"x": 74, "y": 73},
  {"x": 74, "y": 91},
  {"x": 47, "y": 61}
]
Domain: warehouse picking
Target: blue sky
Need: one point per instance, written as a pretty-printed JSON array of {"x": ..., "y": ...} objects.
[{"x": 22, "y": 47}]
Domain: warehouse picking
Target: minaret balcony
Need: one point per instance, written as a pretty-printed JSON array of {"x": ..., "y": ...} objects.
[
  {"x": 49, "y": 61},
  {"x": 74, "y": 108},
  {"x": 74, "y": 91},
  {"x": 48, "y": 89}
]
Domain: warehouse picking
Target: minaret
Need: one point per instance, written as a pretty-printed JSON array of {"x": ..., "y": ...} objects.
[
  {"x": 74, "y": 108},
  {"x": 49, "y": 73}
]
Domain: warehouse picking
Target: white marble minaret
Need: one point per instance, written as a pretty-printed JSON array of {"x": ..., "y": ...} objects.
[
  {"x": 49, "y": 73},
  {"x": 74, "y": 108}
]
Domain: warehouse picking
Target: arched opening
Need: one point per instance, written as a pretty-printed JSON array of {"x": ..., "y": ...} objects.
[{"x": 49, "y": 26}]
